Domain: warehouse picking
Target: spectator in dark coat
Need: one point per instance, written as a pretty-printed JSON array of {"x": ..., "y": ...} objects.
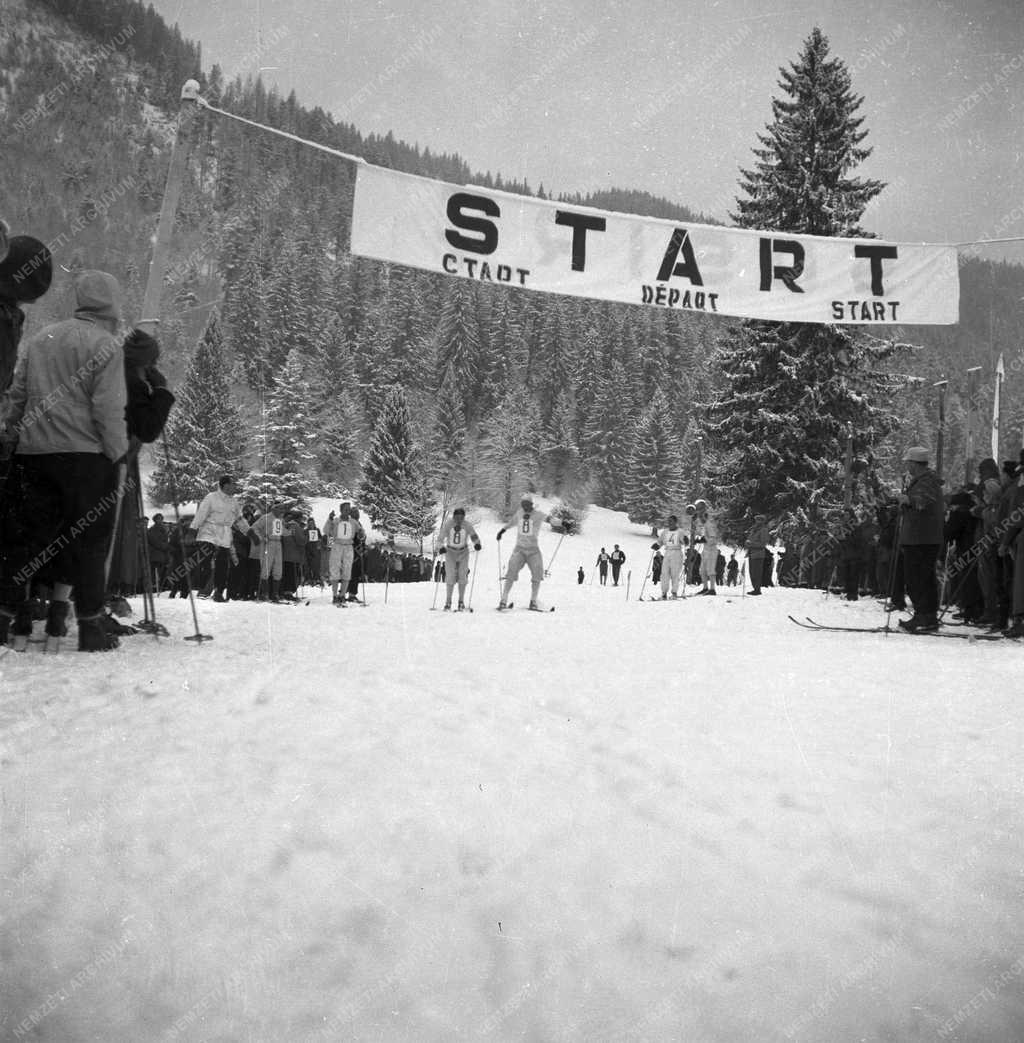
[
  {"x": 156, "y": 538},
  {"x": 921, "y": 539},
  {"x": 26, "y": 271},
  {"x": 147, "y": 407},
  {"x": 851, "y": 554},
  {"x": 732, "y": 571},
  {"x": 960, "y": 534}
]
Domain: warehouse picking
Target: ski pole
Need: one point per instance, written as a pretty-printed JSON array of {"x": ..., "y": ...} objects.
[
  {"x": 387, "y": 579},
  {"x": 743, "y": 579},
  {"x": 892, "y": 567},
  {"x": 547, "y": 571},
  {"x": 650, "y": 565},
  {"x": 629, "y": 576},
  {"x": 472, "y": 580},
  {"x": 197, "y": 636},
  {"x": 437, "y": 584}
]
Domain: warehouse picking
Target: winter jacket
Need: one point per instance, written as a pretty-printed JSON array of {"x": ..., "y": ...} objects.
[
  {"x": 923, "y": 516},
  {"x": 757, "y": 538},
  {"x": 68, "y": 394},
  {"x": 213, "y": 521},
  {"x": 293, "y": 543},
  {"x": 457, "y": 541},
  {"x": 156, "y": 538}
]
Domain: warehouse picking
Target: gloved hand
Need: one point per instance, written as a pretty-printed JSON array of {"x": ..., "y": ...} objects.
[
  {"x": 655, "y": 546},
  {"x": 442, "y": 550},
  {"x": 568, "y": 525},
  {"x": 501, "y": 532},
  {"x": 476, "y": 546}
]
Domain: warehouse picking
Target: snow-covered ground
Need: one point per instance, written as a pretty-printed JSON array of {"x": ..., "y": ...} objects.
[{"x": 682, "y": 821}]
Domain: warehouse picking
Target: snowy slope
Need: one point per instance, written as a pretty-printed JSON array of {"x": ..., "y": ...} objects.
[{"x": 683, "y": 821}]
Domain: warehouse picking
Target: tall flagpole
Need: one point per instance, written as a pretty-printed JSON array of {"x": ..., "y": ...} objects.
[
  {"x": 996, "y": 405},
  {"x": 941, "y": 385},
  {"x": 972, "y": 379}
]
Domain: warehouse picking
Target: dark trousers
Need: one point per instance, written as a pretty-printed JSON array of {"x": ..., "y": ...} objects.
[
  {"x": 755, "y": 569},
  {"x": 919, "y": 568},
  {"x": 58, "y": 517},
  {"x": 850, "y": 571},
  {"x": 210, "y": 557},
  {"x": 616, "y": 569}
]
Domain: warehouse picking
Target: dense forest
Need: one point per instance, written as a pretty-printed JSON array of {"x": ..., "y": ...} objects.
[{"x": 296, "y": 346}]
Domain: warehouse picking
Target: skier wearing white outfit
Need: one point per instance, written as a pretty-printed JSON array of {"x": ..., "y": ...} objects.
[
  {"x": 672, "y": 541},
  {"x": 527, "y": 524},
  {"x": 455, "y": 537},
  {"x": 709, "y": 559},
  {"x": 339, "y": 533}
]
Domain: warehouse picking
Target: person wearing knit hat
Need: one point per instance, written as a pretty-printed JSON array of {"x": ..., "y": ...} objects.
[
  {"x": 26, "y": 271},
  {"x": 921, "y": 533},
  {"x": 527, "y": 524}
]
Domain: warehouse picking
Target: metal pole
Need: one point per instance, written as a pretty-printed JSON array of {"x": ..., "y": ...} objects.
[{"x": 939, "y": 454}]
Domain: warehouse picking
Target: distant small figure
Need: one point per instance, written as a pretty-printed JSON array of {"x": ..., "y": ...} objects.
[{"x": 580, "y": 575}]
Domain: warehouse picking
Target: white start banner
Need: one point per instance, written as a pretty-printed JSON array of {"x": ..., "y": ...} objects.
[{"x": 535, "y": 244}]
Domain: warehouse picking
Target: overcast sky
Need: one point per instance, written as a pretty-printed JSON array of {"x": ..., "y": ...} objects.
[{"x": 662, "y": 95}]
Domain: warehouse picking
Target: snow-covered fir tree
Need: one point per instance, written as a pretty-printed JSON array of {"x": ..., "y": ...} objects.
[
  {"x": 778, "y": 423},
  {"x": 606, "y": 432},
  {"x": 393, "y": 469},
  {"x": 449, "y": 440},
  {"x": 205, "y": 437},
  {"x": 458, "y": 346},
  {"x": 286, "y": 436},
  {"x": 509, "y": 445},
  {"x": 652, "y": 487}
]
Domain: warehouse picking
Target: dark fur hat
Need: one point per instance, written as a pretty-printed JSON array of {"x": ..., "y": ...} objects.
[{"x": 27, "y": 270}]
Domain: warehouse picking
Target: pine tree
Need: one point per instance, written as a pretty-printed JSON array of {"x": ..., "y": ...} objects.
[
  {"x": 392, "y": 489},
  {"x": 204, "y": 433},
  {"x": 777, "y": 426},
  {"x": 458, "y": 346},
  {"x": 606, "y": 434},
  {"x": 509, "y": 447},
  {"x": 287, "y": 436},
  {"x": 652, "y": 488},
  {"x": 246, "y": 322},
  {"x": 449, "y": 432},
  {"x": 559, "y": 452}
]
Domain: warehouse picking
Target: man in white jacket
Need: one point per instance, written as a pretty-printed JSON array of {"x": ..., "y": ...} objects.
[
  {"x": 218, "y": 512},
  {"x": 672, "y": 541}
]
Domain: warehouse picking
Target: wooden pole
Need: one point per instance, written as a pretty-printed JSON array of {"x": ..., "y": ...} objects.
[
  {"x": 939, "y": 457},
  {"x": 848, "y": 469},
  {"x": 172, "y": 191},
  {"x": 972, "y": 375}
]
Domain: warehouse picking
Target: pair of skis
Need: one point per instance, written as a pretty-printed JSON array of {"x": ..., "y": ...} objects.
[
  {"x": 511, "y": 605},
  {"x": 811, "y": 624}
]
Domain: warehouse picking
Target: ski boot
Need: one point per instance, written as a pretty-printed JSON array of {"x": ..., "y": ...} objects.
[
  {"x": 56, "y": 625},
  {"x": 462, "y": 607},
  {"x": 22, "y": 627},
  {"x": 93, "y": 635}
]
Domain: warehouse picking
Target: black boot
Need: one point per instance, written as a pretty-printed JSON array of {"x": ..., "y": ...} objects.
[
  {"x": 22, "y": 627},
  {"x": 93, "y": 636},
  {"x": 56, "y": 625}
]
